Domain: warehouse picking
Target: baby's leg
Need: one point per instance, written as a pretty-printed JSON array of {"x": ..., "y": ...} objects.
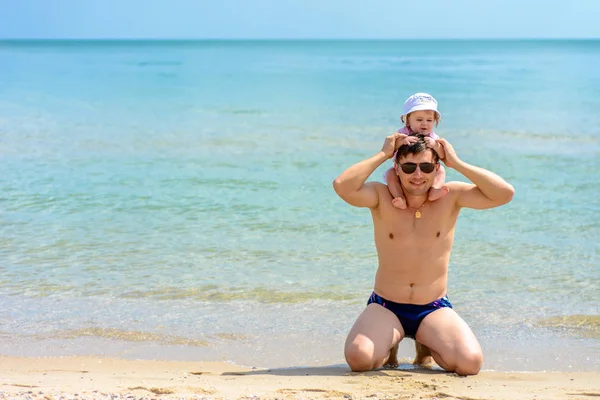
[
  {"x": 423, "y": 357},
  {"x": 392, "y": 360},
  {"x": 438, "y": 189},
  {"x": 395, "y": 188}
]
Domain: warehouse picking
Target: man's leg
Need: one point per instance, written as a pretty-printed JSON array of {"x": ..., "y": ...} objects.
[
  {"x": 375, "y": 333},
  {"x": 453, "y": 344}
]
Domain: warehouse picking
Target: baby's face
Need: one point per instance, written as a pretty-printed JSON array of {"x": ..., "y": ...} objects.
[{"x": 421, "y": 121}]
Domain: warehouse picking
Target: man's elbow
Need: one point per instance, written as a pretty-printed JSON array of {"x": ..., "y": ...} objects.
[
  {"x": 345, "y": 190},
  {"x": 509, "y": 193},
  {"x": 338, "y": 186}
]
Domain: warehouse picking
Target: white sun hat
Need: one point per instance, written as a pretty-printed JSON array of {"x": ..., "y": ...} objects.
[{"x": 420, "y": 102}]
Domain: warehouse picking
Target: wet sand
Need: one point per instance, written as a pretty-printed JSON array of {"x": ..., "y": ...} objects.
[{"x": 105, "y": 378}]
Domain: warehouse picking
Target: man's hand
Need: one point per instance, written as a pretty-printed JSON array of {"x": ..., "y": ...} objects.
[
  {"x": 435, "y": 146},
  {"x": 450, "y": 157},
  {"x": 391, "y": 144}
]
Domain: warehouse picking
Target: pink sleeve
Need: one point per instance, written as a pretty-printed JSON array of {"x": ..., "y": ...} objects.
[{"x": 434, "y": 136}]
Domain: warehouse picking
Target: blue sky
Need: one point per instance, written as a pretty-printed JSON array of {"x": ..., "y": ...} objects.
[{"x": 283, "y": 19}]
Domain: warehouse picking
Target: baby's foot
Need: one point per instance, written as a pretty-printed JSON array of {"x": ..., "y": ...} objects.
[
  {"x": 437, "y": 193},
  {"x": 399, "y": 202},
  {"x": 423, "y": 357},
  {"x": 392, "y": 361}
]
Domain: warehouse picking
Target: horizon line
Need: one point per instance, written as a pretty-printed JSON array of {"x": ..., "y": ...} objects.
[{"x": 288, "y": 39}]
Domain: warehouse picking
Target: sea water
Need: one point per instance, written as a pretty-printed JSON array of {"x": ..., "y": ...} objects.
[{"x": 173, "y": 200}]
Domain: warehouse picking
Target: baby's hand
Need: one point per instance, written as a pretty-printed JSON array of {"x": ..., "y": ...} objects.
[
  {"x": 431, "y": 143},
  {"x": 409, "y": 140},
  {"x": 434, "y": 145}
]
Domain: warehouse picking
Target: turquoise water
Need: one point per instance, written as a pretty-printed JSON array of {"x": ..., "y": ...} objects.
[{"x": 173, "y": 200}]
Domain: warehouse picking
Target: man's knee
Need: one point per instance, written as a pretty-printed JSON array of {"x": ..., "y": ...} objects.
[
  {"x": 360, "y": 355},
  {"x": 469, "y": 362}
]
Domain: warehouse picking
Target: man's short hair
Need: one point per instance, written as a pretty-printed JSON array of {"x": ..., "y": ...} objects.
[{"x": 418, "y": 147}]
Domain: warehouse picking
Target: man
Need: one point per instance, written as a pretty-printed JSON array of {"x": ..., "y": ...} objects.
[{"x": 413, "y": 248}]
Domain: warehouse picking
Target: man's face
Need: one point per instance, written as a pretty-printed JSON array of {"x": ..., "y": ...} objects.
[{"x": 418, "y": 183}]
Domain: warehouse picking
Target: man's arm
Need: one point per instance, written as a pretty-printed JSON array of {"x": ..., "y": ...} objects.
[
  {"x": 489, "y": 190},
  {"x": 351, "y": 186}
]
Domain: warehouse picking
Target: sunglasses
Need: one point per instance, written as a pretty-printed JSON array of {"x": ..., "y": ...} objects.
[{"x": 411, "y": 167}]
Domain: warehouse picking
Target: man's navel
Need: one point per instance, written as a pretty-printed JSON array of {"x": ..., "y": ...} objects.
[{"x": 391, "y": 235}]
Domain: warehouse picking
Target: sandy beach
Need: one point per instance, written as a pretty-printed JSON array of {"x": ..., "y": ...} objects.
[{"x": 104, "y": 378}]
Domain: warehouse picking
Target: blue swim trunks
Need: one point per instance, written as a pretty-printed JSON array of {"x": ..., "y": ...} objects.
[{"x": 410, "y": 315}]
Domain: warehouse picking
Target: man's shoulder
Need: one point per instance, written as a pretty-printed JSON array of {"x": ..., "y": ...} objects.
[
  {"x": 376, "y": 184},
  {"x": 379, "y": 186},
  {"x": 458, "y": 185},
  {"x": 383, "y": 192}
]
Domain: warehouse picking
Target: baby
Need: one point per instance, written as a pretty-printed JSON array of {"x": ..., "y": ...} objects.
[{"x": 419, "y": 116}]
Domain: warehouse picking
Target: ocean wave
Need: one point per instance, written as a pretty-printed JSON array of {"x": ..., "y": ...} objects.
[
  {"x": 587, "y": 326},
  {"x": 125, "y": 335},
  {"x": 159, "y": 63},
  {"x": 261, "y": 294}
]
